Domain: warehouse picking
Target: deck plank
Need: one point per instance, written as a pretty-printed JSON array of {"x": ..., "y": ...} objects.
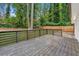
[{"x": 47, "y": 45}]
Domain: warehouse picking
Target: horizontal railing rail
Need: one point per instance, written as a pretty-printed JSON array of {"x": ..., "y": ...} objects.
[{"x": 14, "y": 36}]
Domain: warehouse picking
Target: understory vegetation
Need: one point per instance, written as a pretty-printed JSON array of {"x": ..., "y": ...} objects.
[{"x": 44, "y": 14}]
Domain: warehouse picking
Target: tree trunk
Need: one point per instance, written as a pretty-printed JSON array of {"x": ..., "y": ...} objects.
[
  {"x": 32, "y": 8},
  {"x": 28, "y": 15}
]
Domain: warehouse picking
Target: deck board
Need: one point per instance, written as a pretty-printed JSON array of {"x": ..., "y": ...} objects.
[{"x": 47, "y": 45}]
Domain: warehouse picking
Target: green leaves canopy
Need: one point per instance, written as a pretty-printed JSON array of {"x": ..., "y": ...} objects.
[{"x": 21, "y": 12}]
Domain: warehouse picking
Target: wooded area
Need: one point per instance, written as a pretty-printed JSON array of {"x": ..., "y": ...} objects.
[{"x": 35, "y": 15}]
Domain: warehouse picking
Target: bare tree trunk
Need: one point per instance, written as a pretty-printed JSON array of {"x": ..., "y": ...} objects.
[
  {"x": 28, "y": 15},
  {"x": 32, "y": 8}
]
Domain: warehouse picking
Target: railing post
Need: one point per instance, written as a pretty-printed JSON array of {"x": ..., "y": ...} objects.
[
  {"x": 27, "y": 34},
  {"x": 16, "y": 36},
  {"x": 34, "y": 33},
  {"x": 61, "y": 33},
  {"x": 43, "y": 31},
  {"x": 52, "y": 32},
  {"x": 46, "y": 31},
  {"x": 39, "y": 32}
]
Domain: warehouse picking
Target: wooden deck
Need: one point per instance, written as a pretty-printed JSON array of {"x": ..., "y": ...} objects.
[{"x": 47, "y": 45}]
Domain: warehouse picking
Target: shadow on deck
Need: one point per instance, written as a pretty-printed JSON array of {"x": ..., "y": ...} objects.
[{"x": 47, "y": 45}]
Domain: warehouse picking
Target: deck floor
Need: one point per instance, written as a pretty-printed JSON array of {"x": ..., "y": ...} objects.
[{"x": 47, "y": 45}]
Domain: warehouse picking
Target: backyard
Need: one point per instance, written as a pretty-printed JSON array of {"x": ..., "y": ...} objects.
[{"x": 37, "y": 29}]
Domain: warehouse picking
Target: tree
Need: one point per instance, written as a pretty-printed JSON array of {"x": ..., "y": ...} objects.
[
  {"x": 21, "y": 14},
  {"x": 36, "y": 21},
  {"x": 8, "y": 10},
  {"x": 51, "y": 12},
  {"x": 32, "y": 9},
  {"x": 28, "y": 19}
]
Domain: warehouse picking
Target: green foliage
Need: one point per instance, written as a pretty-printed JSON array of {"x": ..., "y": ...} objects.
[
  {"x": 36, "y": 23},
  {"x": 8, "y": 22},
  {"x": 7, "y": 26},
  {"x": 44, "y": 19},
  {"x": 8, "y": 10},
  {"x": 21, "y": 15},
  {"x": 58, "y": 15},
  {"x": 53, "y": 15}
]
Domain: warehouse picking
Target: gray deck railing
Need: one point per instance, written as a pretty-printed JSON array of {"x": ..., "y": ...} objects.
[{"x": 14, "y": 36}]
